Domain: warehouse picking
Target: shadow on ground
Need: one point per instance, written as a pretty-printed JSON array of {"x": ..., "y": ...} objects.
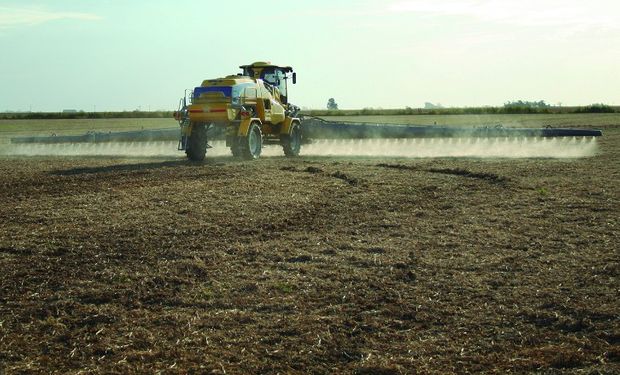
[{"x": 217, "y": 161}]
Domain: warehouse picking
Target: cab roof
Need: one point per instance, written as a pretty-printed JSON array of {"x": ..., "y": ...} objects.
[{"x": 266, "y": 64}]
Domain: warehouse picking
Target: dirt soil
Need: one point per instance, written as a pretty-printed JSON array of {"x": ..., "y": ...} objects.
[{"x": 310, "y": 265}]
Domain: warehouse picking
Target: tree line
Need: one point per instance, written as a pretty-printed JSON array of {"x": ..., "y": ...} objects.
[{"x": 512, "y": 107}]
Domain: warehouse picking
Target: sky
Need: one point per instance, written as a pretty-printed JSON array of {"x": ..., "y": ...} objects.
[{"x": 109, "y": 55}]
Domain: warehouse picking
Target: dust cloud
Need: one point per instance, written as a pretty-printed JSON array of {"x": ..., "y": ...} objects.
[
  {"x": 130, "y": 149},
  {"x": 457, "y": 147},
  {"x": 568, "y": 147}
]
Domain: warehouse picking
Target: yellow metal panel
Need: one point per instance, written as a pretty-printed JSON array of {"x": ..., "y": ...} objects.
[
  {"x": 286, "y": 125},
  {"x": 260, "y": 109},
  {"x": 277, "y": 112},
  {"x": 245, "y": 126}
]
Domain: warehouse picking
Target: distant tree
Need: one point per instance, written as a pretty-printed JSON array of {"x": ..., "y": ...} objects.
[
  {"x": 429, "y": 105},
  {"x": 521, "y": 106},
  {"x": 525, "y": 104},
  {"x": 331, "y": 104}
]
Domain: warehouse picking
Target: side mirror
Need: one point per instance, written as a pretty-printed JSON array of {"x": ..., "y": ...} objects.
[{"x": 294, "y": 78}]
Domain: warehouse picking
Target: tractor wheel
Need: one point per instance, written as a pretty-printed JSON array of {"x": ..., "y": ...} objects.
[
  {"x": 197, "y": 143},
  {"x": 252, "y": 145},
  {"x": 236, "y": 151},
  {"x": 235, "y": 147},
  {"x": 291, "y": 143}
]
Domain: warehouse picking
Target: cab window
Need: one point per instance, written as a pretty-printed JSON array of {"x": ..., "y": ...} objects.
[{"x": 275, "y": 78}]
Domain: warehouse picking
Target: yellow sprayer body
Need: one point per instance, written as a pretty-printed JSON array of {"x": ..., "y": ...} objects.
[
  {"x": 220, "y": 101},
  {"x": 256, "y": 98}
]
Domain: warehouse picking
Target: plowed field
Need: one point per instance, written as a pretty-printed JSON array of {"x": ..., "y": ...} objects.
[{"x": 310, "y": 265}]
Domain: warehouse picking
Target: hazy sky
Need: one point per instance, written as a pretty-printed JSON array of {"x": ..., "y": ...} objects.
[{"x": 124, "y": 55}]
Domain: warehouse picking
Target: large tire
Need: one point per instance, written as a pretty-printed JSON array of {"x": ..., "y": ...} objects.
[
  {"x": 252, "y": 145},
  {"x": 291, "y": 143},
  {"x": 197, "y": 143},
  {"x": 236, "y": 152},
  {"x": 235, "y": 147}
]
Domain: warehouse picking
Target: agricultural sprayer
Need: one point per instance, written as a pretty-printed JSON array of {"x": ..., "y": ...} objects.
[{"x": 252, "y": 109}]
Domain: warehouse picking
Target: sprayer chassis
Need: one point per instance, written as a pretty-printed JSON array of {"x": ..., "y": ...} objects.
[
  {"x": 251, "y": 109},
  {"x": 245, "y": 137}
]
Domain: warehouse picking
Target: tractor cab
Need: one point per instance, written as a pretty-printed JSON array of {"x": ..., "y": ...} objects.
[{"x": 273, "y": 75}]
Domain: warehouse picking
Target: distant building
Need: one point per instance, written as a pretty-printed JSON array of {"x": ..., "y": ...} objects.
[{"x": 69, "y": 111}]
